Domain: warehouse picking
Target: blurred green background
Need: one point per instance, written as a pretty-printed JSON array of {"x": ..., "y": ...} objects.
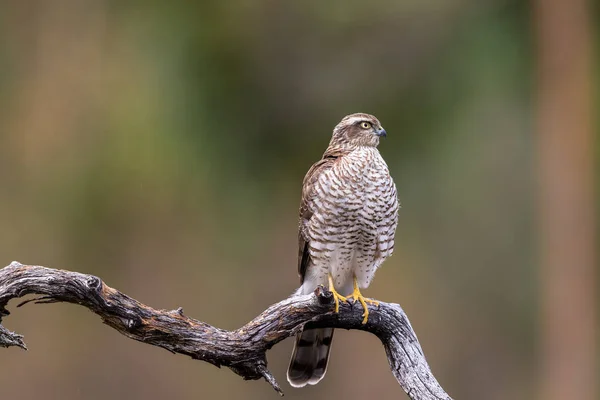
[{"x": 162, "y": 146}]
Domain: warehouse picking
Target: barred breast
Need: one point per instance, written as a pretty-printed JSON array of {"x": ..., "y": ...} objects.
[{"x": 355, "y": 216}]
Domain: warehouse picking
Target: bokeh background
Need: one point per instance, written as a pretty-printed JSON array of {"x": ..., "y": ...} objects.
[{"x": 162, "y": 146}]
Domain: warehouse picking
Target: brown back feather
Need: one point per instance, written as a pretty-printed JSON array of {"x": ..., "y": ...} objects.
[{"x": 328, "y": 160}]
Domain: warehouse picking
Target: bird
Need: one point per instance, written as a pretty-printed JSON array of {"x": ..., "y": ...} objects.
[{"x": 347, "y": 223}]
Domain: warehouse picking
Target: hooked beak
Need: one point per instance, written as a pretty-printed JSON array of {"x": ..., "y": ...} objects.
[{"x": 381, "y": 132}]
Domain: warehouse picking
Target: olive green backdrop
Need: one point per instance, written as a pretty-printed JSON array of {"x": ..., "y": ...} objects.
[{"x": 162, "y": 147}]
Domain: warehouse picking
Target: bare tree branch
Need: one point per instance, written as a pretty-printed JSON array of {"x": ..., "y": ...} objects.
[{"x": 243, "y": 350}]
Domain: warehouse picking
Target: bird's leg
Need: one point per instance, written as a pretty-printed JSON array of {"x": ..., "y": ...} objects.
[
  {"x": 336, "y": 296},
  {"x": 356, "y": 295}
]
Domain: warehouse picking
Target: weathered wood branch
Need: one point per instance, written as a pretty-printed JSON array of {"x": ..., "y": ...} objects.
[{"x": 243, "y": 350}]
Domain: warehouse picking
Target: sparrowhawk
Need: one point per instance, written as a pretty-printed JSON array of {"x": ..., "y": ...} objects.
[{"x": 348, "y": 218}]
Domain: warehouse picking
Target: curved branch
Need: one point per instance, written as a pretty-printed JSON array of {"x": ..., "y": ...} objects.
[{"x": 243, "y": 350}]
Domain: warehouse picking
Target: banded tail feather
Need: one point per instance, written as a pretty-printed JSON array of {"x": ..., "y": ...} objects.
[{"x": 310, "y": 356}]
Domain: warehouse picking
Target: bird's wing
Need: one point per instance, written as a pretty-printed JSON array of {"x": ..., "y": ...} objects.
[{"x": 306, "y": 212}]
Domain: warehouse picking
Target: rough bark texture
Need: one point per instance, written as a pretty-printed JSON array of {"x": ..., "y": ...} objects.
[{"x": 243, "y": 350}]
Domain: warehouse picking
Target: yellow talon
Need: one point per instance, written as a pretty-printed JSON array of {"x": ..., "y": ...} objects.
[
  {"x": 336, "y": 296},
  {"x": 356, "y": 295}
]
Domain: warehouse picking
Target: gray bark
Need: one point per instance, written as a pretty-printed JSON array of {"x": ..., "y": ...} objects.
[{"x": 242, "y": 350}]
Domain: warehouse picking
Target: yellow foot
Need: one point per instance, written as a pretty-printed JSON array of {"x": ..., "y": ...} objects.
[
  {"x": 336, "y": 296},
  {"x": 356, "y": 295}
]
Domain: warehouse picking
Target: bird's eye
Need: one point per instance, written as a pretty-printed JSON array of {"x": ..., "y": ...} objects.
[{"x": 365, "y": 125}]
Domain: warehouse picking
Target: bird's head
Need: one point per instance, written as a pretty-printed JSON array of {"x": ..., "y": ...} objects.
[{"x": 357, "y": 130}]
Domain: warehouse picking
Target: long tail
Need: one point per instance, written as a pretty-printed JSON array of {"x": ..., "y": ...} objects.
[{"x": 310, "y": 356}]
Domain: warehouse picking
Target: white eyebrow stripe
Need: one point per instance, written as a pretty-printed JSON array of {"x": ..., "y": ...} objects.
[{"x": 354, "y": 120}]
